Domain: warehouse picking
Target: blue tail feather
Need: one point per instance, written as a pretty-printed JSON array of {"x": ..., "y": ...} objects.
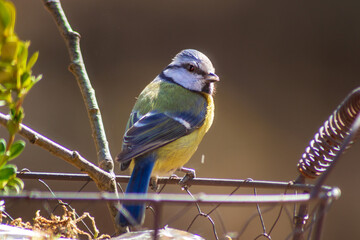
[{"x": 139, "y": 183}]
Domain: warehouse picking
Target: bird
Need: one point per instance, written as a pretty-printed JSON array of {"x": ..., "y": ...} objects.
[{"x": 168, "y": 121}]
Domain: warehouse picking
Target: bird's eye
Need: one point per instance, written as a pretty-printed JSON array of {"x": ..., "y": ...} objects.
[{"x": 191, "y": 68}]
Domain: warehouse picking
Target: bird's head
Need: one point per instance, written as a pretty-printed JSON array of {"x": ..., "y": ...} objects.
[{"x": 192, "y": 70}]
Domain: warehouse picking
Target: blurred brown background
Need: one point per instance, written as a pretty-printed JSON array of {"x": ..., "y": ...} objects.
[{"x": 284, "y": 67}]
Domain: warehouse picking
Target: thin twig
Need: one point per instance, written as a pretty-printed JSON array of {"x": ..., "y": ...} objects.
[
  {"x": 77, "y": 67},
  {"x": 72, "y": 157}
]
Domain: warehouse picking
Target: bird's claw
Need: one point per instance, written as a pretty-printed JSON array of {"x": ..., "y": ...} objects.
[
  {"x": 154, "y": 184},
  {"x": 174, "y": 176},
  {"x": 189, "y": 175}
]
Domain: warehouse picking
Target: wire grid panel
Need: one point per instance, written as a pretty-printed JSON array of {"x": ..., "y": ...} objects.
[{"x": 239, "y": 209}]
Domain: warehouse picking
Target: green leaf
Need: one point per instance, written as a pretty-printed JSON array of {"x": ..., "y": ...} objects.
[
  {"x": 6, "y": 97},
  {"x": 9, "y": 50},
  {"x": 10, "y": 85},
  {"x": 6, "y": 73},
  {"x": 23, "y": 54},
  {"x": 16, "y": 117},
  {"x": 25, "y": 79},
  {"x": 32, "y": 61},
  {"x": 33, "y": 81},
  {"x": 16, "y": 184},
  {"x": 5, "y": 15},
  {"x": 19, "y": 182},
  {"x": 16, "y": 149},
  {"x": 7, "y": 171},
  {"x": 9, "y": 29},
  {"x": 12, "y": 186},
  {"x": 3, "y": 156},
  {"x": 13, "y": 127},
  {"x": 2, "y": 146},
  {"x": 2, "y": 88},
  {"x": 3, "y": 184},
  {"x": 3, "y": 187}
]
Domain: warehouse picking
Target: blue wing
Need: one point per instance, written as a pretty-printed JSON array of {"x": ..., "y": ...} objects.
[{"x": 154, "y": 130}]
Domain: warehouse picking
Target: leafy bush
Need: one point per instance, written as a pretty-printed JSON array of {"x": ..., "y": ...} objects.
[{"x": 16, "y": 80}]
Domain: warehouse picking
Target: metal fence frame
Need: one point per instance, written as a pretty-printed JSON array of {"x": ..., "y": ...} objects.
[{"x": 324, "y": 198}]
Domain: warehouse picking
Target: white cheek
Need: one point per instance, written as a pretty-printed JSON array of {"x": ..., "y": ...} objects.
[{"x": 184, "y": 78}]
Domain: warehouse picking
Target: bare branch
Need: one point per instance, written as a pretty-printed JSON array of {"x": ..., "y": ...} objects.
[
  {"x": 105, "y": 181},
  {"x": 77, "y": 67},
  {"x": 72, "y": 157}
]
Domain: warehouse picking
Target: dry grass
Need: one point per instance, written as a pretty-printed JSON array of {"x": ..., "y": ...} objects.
[{"x": 65, "y": 226}]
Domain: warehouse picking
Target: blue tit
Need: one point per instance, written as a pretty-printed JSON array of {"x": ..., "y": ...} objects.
[{"x": 169, "y": 120}]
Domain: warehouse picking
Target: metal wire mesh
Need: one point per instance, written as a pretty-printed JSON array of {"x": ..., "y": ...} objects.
[{"x": 280, "y": 198}]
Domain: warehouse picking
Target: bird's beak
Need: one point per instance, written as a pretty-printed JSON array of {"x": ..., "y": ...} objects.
[{"x": 212, "y": 77}]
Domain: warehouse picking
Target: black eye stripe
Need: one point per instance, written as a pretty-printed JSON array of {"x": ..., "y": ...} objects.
[
  {"x": 185, "y": 66},
  {"x": 196, "y": 69}
]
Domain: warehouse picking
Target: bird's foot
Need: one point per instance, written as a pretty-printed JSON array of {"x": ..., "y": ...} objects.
[
  {"x": 174, "y": 176},
  {"x": 189, "y": 175},
  {"x": 154, "y": 184}
]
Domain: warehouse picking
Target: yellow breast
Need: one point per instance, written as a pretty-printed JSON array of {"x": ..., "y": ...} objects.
[{"x": 175, "y": 154}]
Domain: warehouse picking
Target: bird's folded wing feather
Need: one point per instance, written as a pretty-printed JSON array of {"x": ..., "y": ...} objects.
[{"x": 154, "y": 130}]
